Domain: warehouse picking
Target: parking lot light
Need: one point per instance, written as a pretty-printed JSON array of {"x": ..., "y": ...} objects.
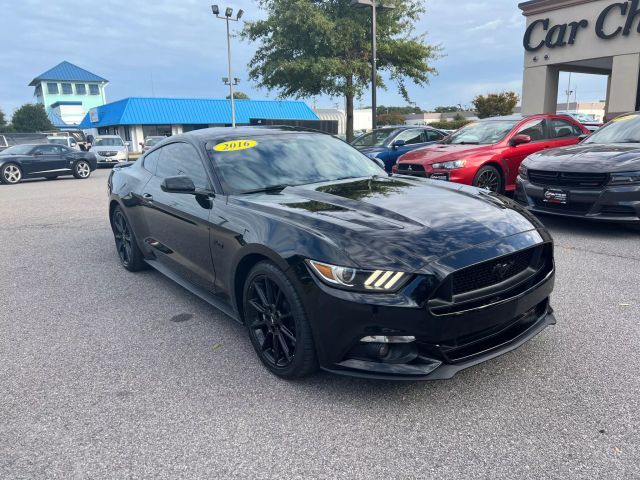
[{"x": 230, "y": 80}]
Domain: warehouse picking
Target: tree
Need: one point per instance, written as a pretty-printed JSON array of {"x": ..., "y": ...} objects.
[
  {"x": 238, "y": 96},
  {"x": 315, "y": 47},
  {"x": 3, "y": 121},
  {"x": 495, "y": 104},
  {"x": 457, "y": 108},
  {"x": 408, "y": 110},
  {"x": 31, "y": 117},
  {"x": 393, "y": 118}
]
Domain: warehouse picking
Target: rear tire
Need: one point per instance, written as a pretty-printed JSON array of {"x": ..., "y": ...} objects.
[
  {"x": 489, "y": 178},
  {"x": 81, "y": 169},
  {"x": 277, "y": 323},
  {"x": 129, "y": 253},
  {"x": 10, "y": 174}
]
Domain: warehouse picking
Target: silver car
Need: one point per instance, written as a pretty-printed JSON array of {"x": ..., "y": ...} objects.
[{"x": 110, "y": 149}]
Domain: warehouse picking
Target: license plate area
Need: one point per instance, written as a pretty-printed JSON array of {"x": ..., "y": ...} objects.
[
  {"x": 440, "y": 176},
  {"x": 555, "y": 196}
]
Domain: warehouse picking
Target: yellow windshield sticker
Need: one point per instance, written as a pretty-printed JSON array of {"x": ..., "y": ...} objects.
[
  {"x": 235, "y": 145},
  {"x": 625, "y": 118}
]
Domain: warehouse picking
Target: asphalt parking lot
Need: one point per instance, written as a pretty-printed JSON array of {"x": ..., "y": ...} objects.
[{"x": 108, "y": 374}]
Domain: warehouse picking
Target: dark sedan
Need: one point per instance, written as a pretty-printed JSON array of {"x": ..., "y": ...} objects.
[
  {"x": 329, "y": 262},
  {"x": 598, "y": 179},
  {"x": 389, "y": 143},
  {"x": 44, "y": 161}
]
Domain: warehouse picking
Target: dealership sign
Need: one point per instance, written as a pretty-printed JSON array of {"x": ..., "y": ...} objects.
[{"x": 621, "y": 15}]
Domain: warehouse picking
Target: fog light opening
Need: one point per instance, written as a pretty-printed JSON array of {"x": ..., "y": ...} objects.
[{"x": 388, "y": 339}]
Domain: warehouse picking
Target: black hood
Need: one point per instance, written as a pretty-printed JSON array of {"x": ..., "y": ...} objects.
[
  {"x": 588, "y": 158},
  {"x": 411, "y": 221}
]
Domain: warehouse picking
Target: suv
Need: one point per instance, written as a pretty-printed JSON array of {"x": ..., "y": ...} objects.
[
  {"x": 387, "y": 144},
  {"x": 110, "y": 149},
  {"x": 488, "y": 153},
  {"x": 66, "y": 141}
]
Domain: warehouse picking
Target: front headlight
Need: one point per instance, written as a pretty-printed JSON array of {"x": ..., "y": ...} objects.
[
  {"x": 523, "y": 171},
  {"x": 625, "y": 178},
  {"x": 452, "y": 165},
  {"x": 359, "y": 280}
]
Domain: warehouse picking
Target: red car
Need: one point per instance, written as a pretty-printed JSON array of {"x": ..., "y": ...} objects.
[{"x": 488, "y": 153}]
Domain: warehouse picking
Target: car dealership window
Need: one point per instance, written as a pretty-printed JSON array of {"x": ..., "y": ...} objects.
[
  {"x": 411, "y": 136},
  {"x": 535, "y": 129},
  {"x": 182, "y": 159},
  {"x": 81, "y": 89},
  {"x": 66, "y": 89},
  {"x": 563, "y": 129},
  {"x": 52, "y": 88},
  {"x": 94, "y": 89}
]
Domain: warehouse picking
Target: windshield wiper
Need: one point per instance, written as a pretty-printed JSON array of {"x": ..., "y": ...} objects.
[
  {"x": 628, "y": 140},
  {"x": 269, "y": 189},
  {"x": 467, "y": 143}
]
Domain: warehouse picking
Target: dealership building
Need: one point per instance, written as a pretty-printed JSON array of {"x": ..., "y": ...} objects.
[
  {"x": 599, "y": 37},
  {"x": 137, "y": 118}
]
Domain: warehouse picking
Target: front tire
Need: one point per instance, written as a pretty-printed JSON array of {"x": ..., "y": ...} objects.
[
  {"x": 10, "y": 174},
  {"x": 489, "y": 178},
  {"x": 130, "y": 254},
  {"x": 278, "y": 326},
  {"x": 81, "y": 169}
]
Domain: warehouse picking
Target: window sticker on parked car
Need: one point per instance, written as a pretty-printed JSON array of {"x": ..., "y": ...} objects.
[{"x": 235, "y": 145}]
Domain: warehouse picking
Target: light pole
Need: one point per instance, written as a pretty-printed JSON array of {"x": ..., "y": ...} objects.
[
  {"x": 230, "y": 80},
  {"x": 375, "y": 5}
]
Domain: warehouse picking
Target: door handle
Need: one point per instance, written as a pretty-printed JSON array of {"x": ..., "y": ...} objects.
[{"x": 147, "y": 196}]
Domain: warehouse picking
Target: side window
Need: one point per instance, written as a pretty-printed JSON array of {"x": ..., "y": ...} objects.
[
  {"x": 47, "y": 150},
  {"x": 3, "y": 141},
  {"x": 433, "y": 135},
  {"x": 535, "y": 129},
  {"x": 150, "y": 161},
  {"x": 411, "y": 136},
  {"x": 563, "y": 129},
  {"x": 182, "y": 159}
]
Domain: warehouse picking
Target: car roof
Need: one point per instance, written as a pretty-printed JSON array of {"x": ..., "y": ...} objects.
[{"x": 108, "y": 136}]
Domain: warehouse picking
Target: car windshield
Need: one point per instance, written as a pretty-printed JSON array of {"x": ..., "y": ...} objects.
[
  {"x": 108, "y": 142},
  {"x": 624, "y": 129},
  {"x": 482, "y": 133},
  {"x": 245, "y": 164},
  {"x": 17, "y": 150},
  {"x": 373, "y": 139},
  {"x": 150, "y": 142}
]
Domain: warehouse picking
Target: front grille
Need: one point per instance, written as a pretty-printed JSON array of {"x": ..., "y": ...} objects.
[
  {"x": 410, "y": 168},
  {"x": 107, "y": 154},
  {"x": 571, "y": 207},
  {"x": 492, "y": 272},
  {"x": 619, "y": 210},
  {"x": 568, "y": 179}
]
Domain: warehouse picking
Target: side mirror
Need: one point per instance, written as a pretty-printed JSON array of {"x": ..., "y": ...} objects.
[
  {"x": 398, "y": 143},
  {"x": 180, "y": 184},
  {"x": 520, "y": 139}
]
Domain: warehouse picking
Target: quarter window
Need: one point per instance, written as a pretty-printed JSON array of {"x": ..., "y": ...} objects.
[
  {"x": 52, "y": 88},
  {"x": 150, "y": 161},
  {"x": 93, "y": 89},
  {"x": 182, "y": 159},
  {"x": 563, "y": 129},
  {"x": 66, "y": 89},
  {"x": 81, "y": 89}
]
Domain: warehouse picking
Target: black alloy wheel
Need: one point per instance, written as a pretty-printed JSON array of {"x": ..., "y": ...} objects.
[
  {"x": 277, "y": 324},
  {"x": 489, "y": 178},
  {"x": 128, "y": 251}
]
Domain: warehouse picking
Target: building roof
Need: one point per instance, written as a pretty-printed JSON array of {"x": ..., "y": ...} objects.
[
  {"x": 533, "y": 7},
  {"x": 56, "y": 120},
  {"x": 193, "y": 111},
  {"x": 66, "y": 71}
]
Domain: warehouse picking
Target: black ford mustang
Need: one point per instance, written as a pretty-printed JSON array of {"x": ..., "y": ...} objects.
[
  {"x": 328, "y": 261},
  {"x": 45, "y": 160},
  {"x": 598, "y": 179}
]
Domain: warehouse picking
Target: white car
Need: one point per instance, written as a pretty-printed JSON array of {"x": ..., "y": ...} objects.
[
  {"x": 110, "y": 149},
  {"x": 66, "y": 141}
]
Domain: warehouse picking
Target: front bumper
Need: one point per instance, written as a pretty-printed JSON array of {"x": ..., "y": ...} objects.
[
  {"x": 121, "y": 158},
  {"x": 447, "y": 340},
  {"x": 620, "y": 203}
]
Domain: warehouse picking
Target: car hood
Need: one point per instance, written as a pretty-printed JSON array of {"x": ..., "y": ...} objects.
[
  {"x": 588, "y": 158},
  {"x": 442, "y": 152},
  {"x": 402, "y": 220}
]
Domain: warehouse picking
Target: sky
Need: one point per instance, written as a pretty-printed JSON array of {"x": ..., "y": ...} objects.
[{"x": 169, "y": 48}]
